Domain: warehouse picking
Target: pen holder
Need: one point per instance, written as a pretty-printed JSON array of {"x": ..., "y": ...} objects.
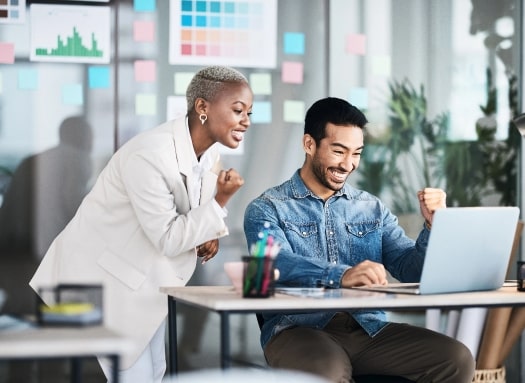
[
  {"x": 258, "y": 276},
  {"x": 521, "y": 275}
]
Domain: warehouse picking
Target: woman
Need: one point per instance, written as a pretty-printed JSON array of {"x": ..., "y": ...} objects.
[{"x": 156, "y": 207}]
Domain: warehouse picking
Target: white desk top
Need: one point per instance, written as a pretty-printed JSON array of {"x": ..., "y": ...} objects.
[
  {"x": 224, "y": 298},
  {"x": 61, "y": 342}
]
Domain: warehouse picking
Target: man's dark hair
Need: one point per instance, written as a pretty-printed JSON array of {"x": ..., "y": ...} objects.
[{"x": 331, "y": 110}]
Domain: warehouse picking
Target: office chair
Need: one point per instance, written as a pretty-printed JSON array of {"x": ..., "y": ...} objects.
[{"x": 360, "y": 378}]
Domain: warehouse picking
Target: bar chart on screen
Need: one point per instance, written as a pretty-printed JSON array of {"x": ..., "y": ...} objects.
[{"x": 63, "y": 33}]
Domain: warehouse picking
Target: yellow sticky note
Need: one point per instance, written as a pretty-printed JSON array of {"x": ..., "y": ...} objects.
[
  {"x": 145, "y": 104},
  {"x": 381, "y": 65},
  {"x": 293, "y": 111},
  {"x": 261, "y": 83},
  {"x": 182, "y": 80}
]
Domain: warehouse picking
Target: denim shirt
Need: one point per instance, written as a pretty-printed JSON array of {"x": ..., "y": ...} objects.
[{"x": 322, "y": 239}]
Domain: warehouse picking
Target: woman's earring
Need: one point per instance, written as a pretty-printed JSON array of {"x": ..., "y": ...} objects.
[{"x": 203, "y": 117}]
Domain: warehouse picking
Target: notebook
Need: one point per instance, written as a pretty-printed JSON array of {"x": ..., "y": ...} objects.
[{"x": 468, "y": 250}]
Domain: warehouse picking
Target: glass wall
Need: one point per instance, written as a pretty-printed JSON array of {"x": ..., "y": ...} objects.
[{"x": 438, "y": 81}]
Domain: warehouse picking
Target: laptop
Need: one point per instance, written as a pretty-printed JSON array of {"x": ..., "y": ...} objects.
[{"x": 468, "y": 250}]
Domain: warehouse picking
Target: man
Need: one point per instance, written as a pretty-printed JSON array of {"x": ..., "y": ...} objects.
[{"x": 334, "y": 235}]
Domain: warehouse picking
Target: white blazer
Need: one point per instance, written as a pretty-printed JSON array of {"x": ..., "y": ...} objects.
[{"x": 135, "y": 232}]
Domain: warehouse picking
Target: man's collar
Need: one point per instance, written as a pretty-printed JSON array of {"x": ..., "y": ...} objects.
[{"x": 300, "y": 190}]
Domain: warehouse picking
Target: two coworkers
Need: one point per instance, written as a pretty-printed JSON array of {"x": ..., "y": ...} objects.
[{"x": 159, "y": 205}]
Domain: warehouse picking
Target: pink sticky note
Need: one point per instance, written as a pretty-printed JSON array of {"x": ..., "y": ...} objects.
[
  {"x": 143, "y": 31},
  {"x": 292, "y": 72},
  {"x": 356, "y": 44},
  {"x": 7, "y": 53},
  {"x": 145, "y": 71}
]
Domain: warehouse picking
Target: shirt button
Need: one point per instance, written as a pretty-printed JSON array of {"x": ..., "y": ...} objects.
[
  {"x": 360, "y": 233},
  {"x": 331, "y": 282},
  {"x": 334, "y": 262},
  {"x": 331, "y": 233},
  {"x": 304, "y": 232}
]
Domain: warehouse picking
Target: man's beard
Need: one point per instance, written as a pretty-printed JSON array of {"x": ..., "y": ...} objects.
[{"x": 322, "y": 176}]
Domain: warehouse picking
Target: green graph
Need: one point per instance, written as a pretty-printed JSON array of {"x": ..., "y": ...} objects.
[{"x": 71, "y": 48}]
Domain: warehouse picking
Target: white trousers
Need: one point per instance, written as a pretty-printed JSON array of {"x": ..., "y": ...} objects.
[{"x": 149, "y": 367}]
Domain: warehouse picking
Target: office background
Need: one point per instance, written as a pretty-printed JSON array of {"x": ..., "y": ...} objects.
[{"x": 439, "y": 80}]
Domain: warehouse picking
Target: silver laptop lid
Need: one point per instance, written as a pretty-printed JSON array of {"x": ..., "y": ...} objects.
[{"x": 469, "y": 249}]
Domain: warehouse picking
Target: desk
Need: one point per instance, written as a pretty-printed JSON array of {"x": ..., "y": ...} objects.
[
  {"x": 70, "y": 342},
  {"x": 225, "y": 301}
]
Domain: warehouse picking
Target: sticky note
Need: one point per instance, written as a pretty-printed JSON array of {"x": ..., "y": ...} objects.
[
  {"x": 7, "y": 53},
  {"x": 98, "y": 77},
  {"x": 261, "y": 83},
  {"x": 145, "y": 70},
  {"x": 381, "y": 65},
  {"x": 294, "y": 43},
  {"x": 181, "y": 82},
  {"x": 144, "y": 5},
  {"x": 292, "y": 72},
  {"x": 261, "y": 112},
  {"x": 72, "y": 94},
  {"x": 145, "y": 104},
  {"x": 293, "y": 111},
  {"x": 359, "y": 97},
  {"x": 143, "y": 31},
  {"x": 356, "y": 44},
  {"x": 27, "y": 79}
]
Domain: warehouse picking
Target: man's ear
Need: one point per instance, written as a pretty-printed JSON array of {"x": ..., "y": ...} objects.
[{"x": 309, "y": 144}]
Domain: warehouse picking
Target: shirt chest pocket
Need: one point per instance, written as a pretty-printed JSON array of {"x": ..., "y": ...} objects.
[
  {"x": 304, "y": 238},
  {"x": 364, "y": 241}
]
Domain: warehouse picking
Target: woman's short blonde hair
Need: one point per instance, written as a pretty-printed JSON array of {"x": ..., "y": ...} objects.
[{"x": 208, "y": 82}]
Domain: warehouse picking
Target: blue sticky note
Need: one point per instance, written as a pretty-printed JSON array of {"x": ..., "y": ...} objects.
[
  {"x": 294, "y": 43},
  {"x": 262, "y": 112},
  {"x": 72, "y": 94},
  {"x": 359, "y": 97},
  {"x": 144, "y": 5},
  {"x": 98, "y": 77},
  {"x": 27, "y": 79}
]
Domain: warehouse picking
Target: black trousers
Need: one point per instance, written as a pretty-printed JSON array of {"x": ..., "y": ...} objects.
[{"x": 343, "y": 349}]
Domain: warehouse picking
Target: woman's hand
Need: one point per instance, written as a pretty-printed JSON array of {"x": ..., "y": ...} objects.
[
  {"x": 228, "y": 182},
  {"x": 208, "y": 250}
]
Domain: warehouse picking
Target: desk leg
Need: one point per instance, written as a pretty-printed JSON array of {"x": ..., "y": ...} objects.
[
  {"x": 116, "y": 367},
  {"x": 172, "y": 335},
  {"x": 225, "y": 340},
  {"x": 76, "y": 370}
]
